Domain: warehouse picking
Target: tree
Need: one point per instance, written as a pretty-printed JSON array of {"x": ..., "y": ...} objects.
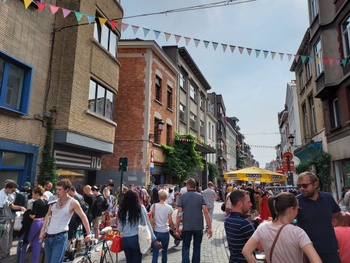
[
  {"x": 48, "y": 165},
  {"x": 213, "y": 171},
  {"x": 181, "y": 159},
  {"x": 240, "y": 159}
]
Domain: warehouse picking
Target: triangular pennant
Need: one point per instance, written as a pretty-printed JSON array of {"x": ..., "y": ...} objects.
[
  {"x": 196, "y": 41},
  {"x": 297, "y": 58},
  {"x": 65, "y": 12},
  {"x": 265, "y": 53},
  {"x": 331, "y": 61},
  {"x": 325, "y": 60},
  {"x": 135, "y": 29},
  {"x": 54, "y": 9},
  {"x": 249, "y": 50},
  {"x": 311, "y": 58},
  {"x": 145, "y": 31},
  {"x": 206, "y": 43},
  {"x": 167, "y": 36},
  {"x": 273, "y": 54},
  {"x": 337, "y": 61},
  {"x": 215, "y": 45},
  {"x": 41, "y": 6},
  {"x": 303, "y": 58},
  {"x": 177, "y": 38},
  {"x": 281, "y": 55},
  {"x": 289, "y": 56},
  {"x": 113, "y": 24},
  {"x": 257, "y": 52},
  {"x": 187, "y": 40},
  {"x": 27, "y": 3},
  {"x": 102, "y": 21},
  {"x": 232, "y": 48},
  {"x": 90, "y": 18},
  {"x": 240, "y": 49},
  {"x": 343, "y": 62},
  {"x": 78, "y": 15},
  {"x": 157, "y": 33},
  {"x": 224, "y": 46},
  {"x": 124, "y": 26}
]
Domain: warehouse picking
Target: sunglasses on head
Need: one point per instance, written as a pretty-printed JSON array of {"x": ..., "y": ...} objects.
[{"x": 303, "y": 185}]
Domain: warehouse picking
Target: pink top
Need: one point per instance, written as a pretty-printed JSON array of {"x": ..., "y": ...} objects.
[{"x": 343, "y": 237}]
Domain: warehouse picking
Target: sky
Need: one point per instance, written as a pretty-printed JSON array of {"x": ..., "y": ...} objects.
[{"x": 253, "y": 88}]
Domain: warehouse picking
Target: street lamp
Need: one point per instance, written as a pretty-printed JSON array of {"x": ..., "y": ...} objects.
[
  {"x": 160, "y": 127},
  {"x": 291, "y": 139}
]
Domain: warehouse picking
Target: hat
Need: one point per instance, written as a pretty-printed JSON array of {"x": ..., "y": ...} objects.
[
  {"x": 26, "y": 185},
  {"x": 249, "y": 184},
  {"x": 94, "y": 188}
]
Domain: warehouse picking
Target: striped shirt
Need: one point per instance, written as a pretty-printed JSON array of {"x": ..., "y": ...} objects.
[{"x": 238, "y": 231}]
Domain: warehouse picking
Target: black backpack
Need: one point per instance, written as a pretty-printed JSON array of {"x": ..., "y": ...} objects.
[
  {"x": 83, "y": 204},
  {"x": 104, "y": 205}
]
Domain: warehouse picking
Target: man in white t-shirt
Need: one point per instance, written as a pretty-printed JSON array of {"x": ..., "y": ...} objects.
[{"x": 47, "y": 187}]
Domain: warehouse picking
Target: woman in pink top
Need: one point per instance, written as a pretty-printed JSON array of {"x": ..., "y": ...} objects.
[
  {"x": 292, "y": 241},
  {"x": 342, "y": 232}
]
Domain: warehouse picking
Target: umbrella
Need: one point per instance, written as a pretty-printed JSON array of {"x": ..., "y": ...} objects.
[{"x": 255, "y": 174}]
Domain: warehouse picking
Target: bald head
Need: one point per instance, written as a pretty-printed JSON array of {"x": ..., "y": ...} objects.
[{"x": 87, "y": 189}]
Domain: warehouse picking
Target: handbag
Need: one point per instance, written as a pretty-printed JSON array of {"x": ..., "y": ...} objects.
[
  {"x": 117, "y": 244},
  {"x": 144, "y": 235},
  {"x": 151, "y": 218},
  {"x": 275, "y": 240}
]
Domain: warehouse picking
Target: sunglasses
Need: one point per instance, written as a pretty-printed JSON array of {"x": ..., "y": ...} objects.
[{"x": 303, "y": 185}]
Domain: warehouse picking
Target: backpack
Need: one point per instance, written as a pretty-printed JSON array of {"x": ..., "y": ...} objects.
[
  {"x": 104, "y": 205},
  {"x": 83, "y": 204}
]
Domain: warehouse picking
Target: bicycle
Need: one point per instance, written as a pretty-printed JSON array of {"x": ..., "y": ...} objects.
[{"x": 95, "y": 253}]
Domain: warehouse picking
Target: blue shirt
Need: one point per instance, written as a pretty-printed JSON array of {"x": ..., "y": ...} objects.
[
  {"x": 238, "y": 231},
  {"x": 315, "y": 217}
]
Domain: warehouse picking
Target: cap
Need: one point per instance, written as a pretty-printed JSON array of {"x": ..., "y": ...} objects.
[
  {"x": 249, "y": 184},
  {"x": 94, "y": 188},
  {"x": 26, "y": 184}
]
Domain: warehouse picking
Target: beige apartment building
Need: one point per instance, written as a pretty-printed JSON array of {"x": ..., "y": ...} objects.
[{"x": 68, "y": 73}]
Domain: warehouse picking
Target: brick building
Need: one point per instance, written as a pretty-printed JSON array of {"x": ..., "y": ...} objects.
[{"x": 145, "y": 110}]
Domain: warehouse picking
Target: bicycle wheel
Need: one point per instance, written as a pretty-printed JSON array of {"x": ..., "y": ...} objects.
[{"x": 106, "y": 255}]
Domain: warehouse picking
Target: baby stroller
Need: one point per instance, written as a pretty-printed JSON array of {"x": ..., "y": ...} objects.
[{"x": 177, "y": 239}]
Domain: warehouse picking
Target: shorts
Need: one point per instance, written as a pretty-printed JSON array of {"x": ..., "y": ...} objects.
[{"x": 96, "y": 222}]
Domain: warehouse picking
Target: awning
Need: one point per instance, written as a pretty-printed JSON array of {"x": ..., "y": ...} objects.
[
  {"x": 305, "y": 153},
  {"x": 69, "y": 174}
]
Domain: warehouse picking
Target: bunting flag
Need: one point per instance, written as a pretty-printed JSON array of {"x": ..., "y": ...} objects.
[{"x": 114, "y": 22}]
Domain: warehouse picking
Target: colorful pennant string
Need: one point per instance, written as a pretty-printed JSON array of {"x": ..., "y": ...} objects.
[{"x": 114, "y": 22}]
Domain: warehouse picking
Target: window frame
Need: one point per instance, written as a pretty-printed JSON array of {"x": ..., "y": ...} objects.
[
  {"x": 314, "y": 9},
  {"x": 168, "y": 134},
  {"x": 193, "y": 120},
  {"x": 193, "y": 92},
  {"x": 312, "y": 114},
  {"x": 158, "y": 88},
  {"x": 305, "y": 119},
  {"x": 182, "y": 112},
  {"x": 105, "y": 98},
  {"x": 169, "y": 97},
  {"x": 318, "y": 54},
  {"x": 26, "y": 86},
  {"x": 334, "y": 113},
  {"x": 201, "y": 127},
  {"x": 346, "y": 37},
  {"x": 98, "y": 34}
]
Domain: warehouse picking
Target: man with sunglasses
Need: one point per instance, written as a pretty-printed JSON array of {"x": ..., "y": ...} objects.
[{"x": 315, "y": 217}]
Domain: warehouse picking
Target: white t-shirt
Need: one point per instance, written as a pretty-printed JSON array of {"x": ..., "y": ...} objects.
[
  {"x": 47, "y": 195},
  {"x": 183, "y": 190},
  {"x": 5, "y": 198},
  {"x": 161, "y": 217},
  {"x": 209, "y": 195},
  {"x": 288, "y": 248},
  {"x": 170, "y": 199}
]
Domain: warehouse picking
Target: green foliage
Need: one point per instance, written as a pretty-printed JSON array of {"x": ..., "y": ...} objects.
[
  {"x": 213, "y": 171},
  {"x": 181, "y": 159},
  {"x": 322, "y": 162},
  {"x": 48, "y": 166},
  {"x": 240, "y": 158}
]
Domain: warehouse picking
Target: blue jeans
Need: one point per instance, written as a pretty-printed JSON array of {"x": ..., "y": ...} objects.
[
  {"x": 186, "y": 243},
  {"x": 55, "y": 248},
  {"x": 164, "y": 239},
  {"x": 132, "y": 249}
]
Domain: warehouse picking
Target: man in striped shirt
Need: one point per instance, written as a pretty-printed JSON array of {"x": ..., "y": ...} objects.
[{"x": 238, "y": 229}]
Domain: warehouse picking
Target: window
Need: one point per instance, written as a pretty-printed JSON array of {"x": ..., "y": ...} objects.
[
  {"x": 334, "y": 112},
  {"x": 314, "y": 9},
  {"x": 201, "y": 127},
  {"x": 101, "y": 100},
  {"x": 193, "y": 121},
  {"x": 168, "y": 134},
  {"x": 182, "y": 81},
  {"x": 170, "y": 98},
  {"x": 209, "y": 130},
  {"x": 312, "y": 112},
  {"x": 318, "y": 56},
  {"x": 15, "y": 84},
  {"x": 156, "y": 131},
  {"x": 193, "y": 92},
  {"x": 345, "y": 27},
  {"x": 308, "y": 71},
  {"x": 182, "y": 113},
  {"x": 305, "y": 120},
  {"x": 106, "y": 37},
  {"x": 202, "y": 101},
  {"x": 301, "y": 80},
  {"x": 158, "y": 88}
]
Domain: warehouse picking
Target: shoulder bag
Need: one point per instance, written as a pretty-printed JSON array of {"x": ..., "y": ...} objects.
[
  {"x": 275, "y": 240},
  {"x": 144, "y": 234}
]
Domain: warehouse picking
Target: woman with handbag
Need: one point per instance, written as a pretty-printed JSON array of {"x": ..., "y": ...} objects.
[
  {"x": 131, "y": 214},
  {"x": 162, "y": 215},
  {"x": 281, "y": 241}
]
